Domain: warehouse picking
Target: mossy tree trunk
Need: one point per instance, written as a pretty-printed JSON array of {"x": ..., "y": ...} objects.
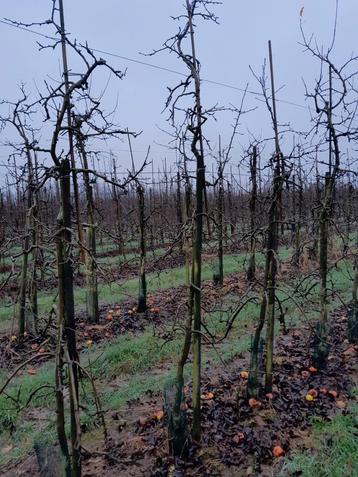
[
  {"x": 197, "y": 149},
  {"x": 320, "y": 343},
  {"x": 321, "y": 349},
  {"x": 219, "y": 272},
  {"x": 267, "y": 311},
  {"x": 35, "y": 263},
  {"x": 195, "y": 117},
  {"x": 251, "y": 270},
  {"x": 66, "y": 317},
  {"x": 21, "y": 314},
  {"x": 118, "y": 209},
  {"x": 254, "y": 380},
  {"x": 196, "y": 292},
  {"x": 298, "y": 216},
  {"x": 59, "y": 362},
  {"x": 315, "y": 215},
  {"x": 231, "y": 209},
  {"x": 67, "y": 98},
  {"x": 179, "y": 211},
  {"x": 90, "y": 249},
  {"x": 142, "y": 292},
  {"x": 177, "y": 425},
  {"x": 353, "y": 312},
  {"x": 188, "y": 232},
  {"x": 28, "y": 235},
  {"x": 275, "y": 214}
]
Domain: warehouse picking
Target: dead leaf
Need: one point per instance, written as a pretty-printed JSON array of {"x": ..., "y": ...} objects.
[
  {"x": 6, "y": 449},
  {"x": 350, "y": 351},
  {"x": 238, "y": 437},
  {"x": 207, "y": 396},
  {"x": 159, "y": 415},
  {"x": 254, "y": 402}
]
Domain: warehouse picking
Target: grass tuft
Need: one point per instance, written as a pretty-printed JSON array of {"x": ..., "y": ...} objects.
[{"x": 334, "y": 449}]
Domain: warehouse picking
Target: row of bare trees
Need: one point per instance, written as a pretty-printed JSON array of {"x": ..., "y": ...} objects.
[{"x": 60, "y": 212}]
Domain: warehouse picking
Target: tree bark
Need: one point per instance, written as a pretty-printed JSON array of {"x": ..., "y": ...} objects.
[
  {"x": 197, "y": 236},
  {"x": 90, "y": 252},
  {"x": 142, "y": 292},
  {"x": 66, "y": 312},
  {"x": 251, "y": 270}
]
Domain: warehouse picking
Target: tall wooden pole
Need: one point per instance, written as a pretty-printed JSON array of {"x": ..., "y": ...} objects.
[
  {"x": 272, "y": 239},
  {"x": 198, "y": 235},
  {"x": 70, "y": 132}
]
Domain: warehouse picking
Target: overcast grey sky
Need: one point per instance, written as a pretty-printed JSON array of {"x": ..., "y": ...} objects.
[{"x": 226, "y": 50}]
